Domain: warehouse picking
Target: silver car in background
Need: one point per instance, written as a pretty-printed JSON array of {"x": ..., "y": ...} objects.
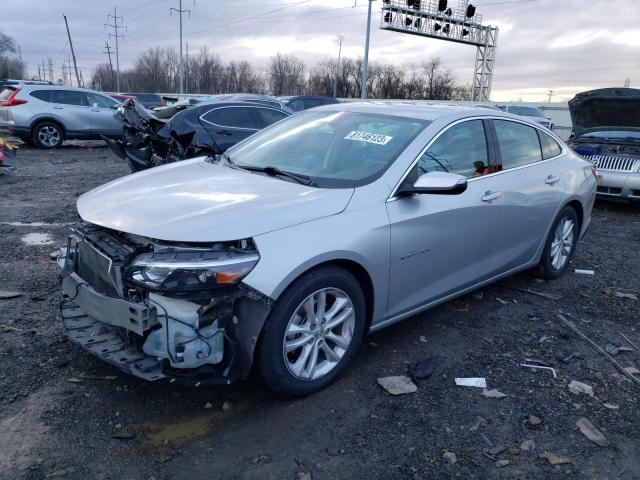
[
  {"x": 48, "y": 114},
  {"x": 334, "y": 222}
]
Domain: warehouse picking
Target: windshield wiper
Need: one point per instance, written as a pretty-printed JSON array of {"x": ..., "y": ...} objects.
[{"x": 275, "y": 171}]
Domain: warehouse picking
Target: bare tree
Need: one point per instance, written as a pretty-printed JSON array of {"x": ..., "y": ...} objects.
[
  {"x": 9, "y": 67},
  {"x": 286, "y": 75}
]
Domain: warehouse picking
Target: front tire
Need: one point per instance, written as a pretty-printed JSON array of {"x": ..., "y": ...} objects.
[
  {"x": 560, "y": 245},
  {"x": 312, "y": 333},
  {"x": 48, "y": 135}
]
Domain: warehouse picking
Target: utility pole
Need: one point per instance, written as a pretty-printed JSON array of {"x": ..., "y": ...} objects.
[
  {"x": 75, "y": 65},
  {"x": 116, "y": 26},
  {"x": 186, "y": 75},
  {"x": 39, "y": 76},
  {"x": 50, "y": 62},
  {"x": 550, "y": 95},
  {"x": 335, "y": 82},
  {"x": 365, "y": 66},
  {"x": 180, "y": 11},
  {"x": 63, "y": 72},
  {"x": 108, "y": 52},
  {"x": 69, "y": 71}
]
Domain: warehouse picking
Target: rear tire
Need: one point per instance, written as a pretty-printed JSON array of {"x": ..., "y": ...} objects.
[
  {"x": 312, "y": 333},
  {"x": 48, "y": 135},
  {"x": 560, "y": 245}
]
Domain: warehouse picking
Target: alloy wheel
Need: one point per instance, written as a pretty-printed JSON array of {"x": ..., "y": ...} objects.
[
  {"x": 318, "y": 334},
  {"x": 562, "y": 244},
  {"x": 49, "y": 136}
]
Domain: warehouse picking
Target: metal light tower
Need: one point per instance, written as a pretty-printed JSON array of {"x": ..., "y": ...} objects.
[
  {"x": 436, "y": 19},
  {"x": 335, "y": 82},
  {"x": 180, "y": 11}
]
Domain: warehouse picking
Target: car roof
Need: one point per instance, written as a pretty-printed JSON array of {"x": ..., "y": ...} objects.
[
  {"x": 58, "y": 87},
  {"x": 429, "y": 112}
]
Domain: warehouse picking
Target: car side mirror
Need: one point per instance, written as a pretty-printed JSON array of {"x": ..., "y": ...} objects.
[{"x": 436, "y": 183}]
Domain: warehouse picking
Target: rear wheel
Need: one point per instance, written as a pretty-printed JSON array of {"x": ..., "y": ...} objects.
[
  {"x": 560, "y": 245},
  {"x": 48, "y": 135},
  {"x": 313, "y": 332}
]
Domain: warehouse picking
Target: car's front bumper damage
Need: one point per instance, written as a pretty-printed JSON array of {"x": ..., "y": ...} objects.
[{"x": 191, "y": 339}]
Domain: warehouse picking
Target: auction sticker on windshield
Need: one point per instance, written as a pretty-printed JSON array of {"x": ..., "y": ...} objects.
[{"x": 369, "y": 137}]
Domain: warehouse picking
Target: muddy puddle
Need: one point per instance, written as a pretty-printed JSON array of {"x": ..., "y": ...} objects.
[{"x": 175, "y": 433}]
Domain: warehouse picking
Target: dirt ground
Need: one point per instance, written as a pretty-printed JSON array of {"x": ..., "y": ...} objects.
[{"x": 65, "y": 414}]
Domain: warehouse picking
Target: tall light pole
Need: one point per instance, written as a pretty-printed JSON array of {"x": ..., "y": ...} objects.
[
  {"x": 365, "y": 66},
  {"x": 180, "y": 11},
  {"x": 335, "y": 82}
]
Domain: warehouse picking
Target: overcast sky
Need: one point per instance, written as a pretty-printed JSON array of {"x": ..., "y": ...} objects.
[{"x": 563, "y": 45}]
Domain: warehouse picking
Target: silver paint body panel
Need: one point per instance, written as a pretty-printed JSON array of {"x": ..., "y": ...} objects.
[{"x": 418, "y": 251}]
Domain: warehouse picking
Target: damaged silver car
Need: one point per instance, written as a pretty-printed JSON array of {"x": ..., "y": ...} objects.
[{"x": 334, "y": 222}]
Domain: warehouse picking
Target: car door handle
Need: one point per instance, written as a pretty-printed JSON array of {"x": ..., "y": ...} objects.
[
  {"x": 58, "y": 108},
  {"x": 490, "y": 196},
  {"x": 95, "y": 110},
  {"x": 551, "y": 179},
  {"x": 224, "y": 132}
]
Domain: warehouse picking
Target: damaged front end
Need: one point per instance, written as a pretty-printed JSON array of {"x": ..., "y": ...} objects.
[
  {"x": 162, "y": 310},
  {"x": 148, "y": 140}
]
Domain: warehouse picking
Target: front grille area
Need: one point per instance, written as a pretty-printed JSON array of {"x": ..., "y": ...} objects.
[
  {"x": 616, "y": 163},
  {"x": 96, "y": 269},
  {"x": 609, "y": 190},
  {"x": 100, "y": 259}
]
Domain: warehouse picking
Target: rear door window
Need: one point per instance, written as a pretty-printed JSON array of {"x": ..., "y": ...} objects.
[
  {"x": 519, "y": 144},
  {"x": 461, "y": 149},
  {"x": 550, "y": 147},
  {"x": 41, "y": 95},
  {"x": 99, "y": 101},
  {"x": 68, "y": 97},
  {"x": 270, "y": 116},
  {"x": 233, "y": 117}
]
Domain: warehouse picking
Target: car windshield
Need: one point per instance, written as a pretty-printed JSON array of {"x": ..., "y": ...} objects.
[
  {"x": 526, "y": 111},
  {"x": 614, "y": 134},
  {"x": 334, "y": 149}
]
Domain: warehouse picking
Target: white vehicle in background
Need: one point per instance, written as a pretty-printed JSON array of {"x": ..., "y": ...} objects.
[{"x": 530, "y": 113}]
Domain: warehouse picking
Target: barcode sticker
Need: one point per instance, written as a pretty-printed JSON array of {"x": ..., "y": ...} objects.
[{"x": 369, "y": 137}]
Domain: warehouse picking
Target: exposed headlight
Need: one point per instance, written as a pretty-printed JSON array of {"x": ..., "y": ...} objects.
[{"x": 190, "y": 270}]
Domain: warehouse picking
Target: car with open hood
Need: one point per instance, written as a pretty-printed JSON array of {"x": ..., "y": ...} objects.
[
  {"x": 606, "y": 132},
  {"x": 334, "y": 222}
]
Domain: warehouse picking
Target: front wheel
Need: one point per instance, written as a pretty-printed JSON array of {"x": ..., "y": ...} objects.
[
  {"x": 560, "y": 245},
  {"x": 313, "y": 332}
]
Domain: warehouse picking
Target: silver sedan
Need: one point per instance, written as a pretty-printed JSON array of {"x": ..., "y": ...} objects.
[{"x": 329, "y": 224}]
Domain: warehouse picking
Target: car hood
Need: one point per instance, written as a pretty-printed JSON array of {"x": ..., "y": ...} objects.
[
  {"x": 605, "y": 109},
  {"x": 199, "y": 201}
]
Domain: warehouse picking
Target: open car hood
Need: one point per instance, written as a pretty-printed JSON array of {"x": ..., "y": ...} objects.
[
  {"x": 199, "y": 201},
  {"x": 605, "y": 109}
]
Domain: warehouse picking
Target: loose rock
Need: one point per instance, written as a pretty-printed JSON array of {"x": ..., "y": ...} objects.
[
  {"x": 554, "y": 459},
  {"x": 579, "y": 387},
  {"x": 450, "y": 457},
  {"x": 592, "y": 433},
  {"x": 397, "y": 385}
]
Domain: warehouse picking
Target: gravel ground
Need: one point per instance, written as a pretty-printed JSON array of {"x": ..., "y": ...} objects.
[{"x": 60, "y": 408}]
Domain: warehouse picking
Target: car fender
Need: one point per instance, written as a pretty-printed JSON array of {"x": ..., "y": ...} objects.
[{"x": 360, "y": 236}]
